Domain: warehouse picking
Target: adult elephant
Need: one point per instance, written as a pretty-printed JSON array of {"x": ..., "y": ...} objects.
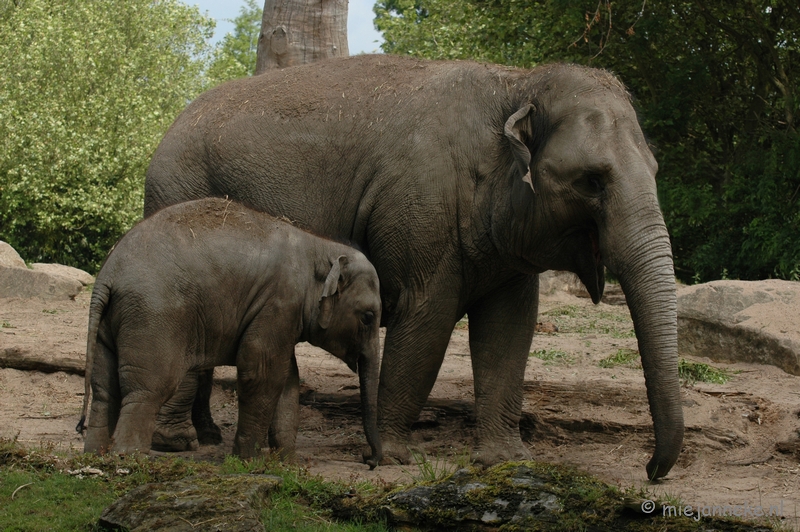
[{"x": 461, "y": 182}]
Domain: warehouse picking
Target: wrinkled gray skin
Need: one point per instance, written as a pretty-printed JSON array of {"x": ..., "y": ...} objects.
[
  {"x": 461, "y": 182},
  {"x": 210, "y": 283}
]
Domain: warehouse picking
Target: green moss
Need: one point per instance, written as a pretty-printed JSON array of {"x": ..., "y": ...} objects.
[{"x": 568, "y": 498}]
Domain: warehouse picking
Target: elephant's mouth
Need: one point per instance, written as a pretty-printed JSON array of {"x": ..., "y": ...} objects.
[{"x": 590, "y": 267}]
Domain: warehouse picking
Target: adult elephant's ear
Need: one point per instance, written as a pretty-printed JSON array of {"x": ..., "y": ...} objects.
[
  {"x": 329, "y": 289},
  {"x": 517, "y": 125}
]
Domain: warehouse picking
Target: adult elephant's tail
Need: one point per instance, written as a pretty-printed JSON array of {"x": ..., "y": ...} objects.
[{"x": 100, "y": 297}]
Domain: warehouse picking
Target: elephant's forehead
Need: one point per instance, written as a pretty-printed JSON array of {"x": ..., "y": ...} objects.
[{"x": 602, "y": 128}]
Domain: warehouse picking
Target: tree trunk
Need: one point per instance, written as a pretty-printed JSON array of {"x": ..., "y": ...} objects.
[{"x": 295, "y": 32}]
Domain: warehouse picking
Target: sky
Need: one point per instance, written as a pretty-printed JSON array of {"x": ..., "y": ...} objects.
[{"x": 361, "y": 34}]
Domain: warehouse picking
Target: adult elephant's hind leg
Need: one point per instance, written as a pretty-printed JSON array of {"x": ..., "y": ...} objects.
[
  {"x": 501, "y": 329},
  {"x": 412, "y": 356}
]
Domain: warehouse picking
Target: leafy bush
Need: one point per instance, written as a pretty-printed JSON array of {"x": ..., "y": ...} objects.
[
  {"x": 235, "y": 56},
  {"x": 87, "y": 89}
]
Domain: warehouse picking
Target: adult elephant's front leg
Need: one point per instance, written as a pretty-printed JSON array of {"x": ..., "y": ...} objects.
[
  {"x": 501, "y": 329},
  {"x": 412, "y": 356}
]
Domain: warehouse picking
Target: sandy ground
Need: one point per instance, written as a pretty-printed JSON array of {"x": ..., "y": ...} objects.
[{"x": 575, "y": 411}]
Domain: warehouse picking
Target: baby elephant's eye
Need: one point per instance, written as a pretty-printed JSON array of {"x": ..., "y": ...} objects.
[{"x": 368, "y": 317}]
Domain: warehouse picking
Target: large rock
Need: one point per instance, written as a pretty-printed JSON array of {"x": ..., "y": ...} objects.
[
  {"x": 742, "y": 321},
  {"x": 228, "y": 502},
  {"x": 9, "y": 256},
  {"x": 64, "y": 271},
  {"x": 25, "y": 283},
  {"x": 48, "y": 281},
  {"x": 521, "y": 496}
]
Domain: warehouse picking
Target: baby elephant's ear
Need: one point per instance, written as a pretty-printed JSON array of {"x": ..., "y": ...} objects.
[{"x": 330, "y": 288}]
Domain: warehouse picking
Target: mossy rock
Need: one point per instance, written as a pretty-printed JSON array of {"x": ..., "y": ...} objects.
[
  {"x": 226, "y": 502},
  {"x": 521, "y": 496}
]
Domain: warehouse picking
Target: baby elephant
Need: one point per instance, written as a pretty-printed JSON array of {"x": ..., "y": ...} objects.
[{"x": 209, "y": 283}]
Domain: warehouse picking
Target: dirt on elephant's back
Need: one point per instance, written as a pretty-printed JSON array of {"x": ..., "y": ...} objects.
[{"x": 584, "y": 405}]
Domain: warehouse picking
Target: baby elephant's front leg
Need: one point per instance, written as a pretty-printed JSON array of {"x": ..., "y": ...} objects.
[
  {"x": 261, "y": 379},
  {"x": 283, "y": 430}
]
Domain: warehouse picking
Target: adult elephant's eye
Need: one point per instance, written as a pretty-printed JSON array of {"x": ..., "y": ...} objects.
[
  {"x": 594, "y": 183},
  {"x": 368, "y": 317}
]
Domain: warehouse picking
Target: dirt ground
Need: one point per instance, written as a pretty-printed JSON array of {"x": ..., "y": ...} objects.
[{"x": 575, "y": 412}]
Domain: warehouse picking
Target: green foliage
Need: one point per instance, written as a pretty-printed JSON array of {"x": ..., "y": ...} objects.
[
  {"x": 87, "y": 89},
  {"x": 235, "y": 56},
  {"x": 716, "y": 89},
  {"x": 623, "y": 357},
  {"x": 553, "y": 356},
  {"x": 513, "y": 32},
  {"x": 691, "y": 372}
]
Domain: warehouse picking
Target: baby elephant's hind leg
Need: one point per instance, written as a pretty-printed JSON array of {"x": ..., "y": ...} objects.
[
  {"x": 174, "y": 431},
  {"x": 144, "y": 390},
  {"x": 105, "y": 401}
]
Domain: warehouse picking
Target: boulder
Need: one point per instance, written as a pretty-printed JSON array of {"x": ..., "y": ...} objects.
[
  {"x": 519, "y": 496},
  {"x": 25, "y": 283},
  {"x": 742, "y": 321},
  {"x": 48, "y": 281},
  {"x": 64, "y": 271},
  {"x": 9, "y": 257},
  {"x": 227, "y": 502}
]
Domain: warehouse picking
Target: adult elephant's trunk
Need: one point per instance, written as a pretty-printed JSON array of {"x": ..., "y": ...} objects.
[
  {"x": 368, "y": 377},
  {"x": 636, "y": 248}
]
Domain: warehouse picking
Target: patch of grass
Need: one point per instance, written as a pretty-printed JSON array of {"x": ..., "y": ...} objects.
[
  {"x": 615, "y": 329},
  {"x": 7, "y": 325},
  {"x": 303, "y": 500},
  {"x": 573, "y": 319},
  {"x": 462, "y": 325},
  {"x": 439, "y": 468},
  {"x": 691, "y": 372},
  {"x": 553, "y": 356},
  {"x": 53, "y": 499},
  {"x": 567, "y": 310},
  {"x": 623, "y": 357},
  {"x": 50, "y": 500}
]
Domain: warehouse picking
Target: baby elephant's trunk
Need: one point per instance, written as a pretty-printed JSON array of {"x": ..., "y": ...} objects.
[{"x": 369, "y": 376}]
